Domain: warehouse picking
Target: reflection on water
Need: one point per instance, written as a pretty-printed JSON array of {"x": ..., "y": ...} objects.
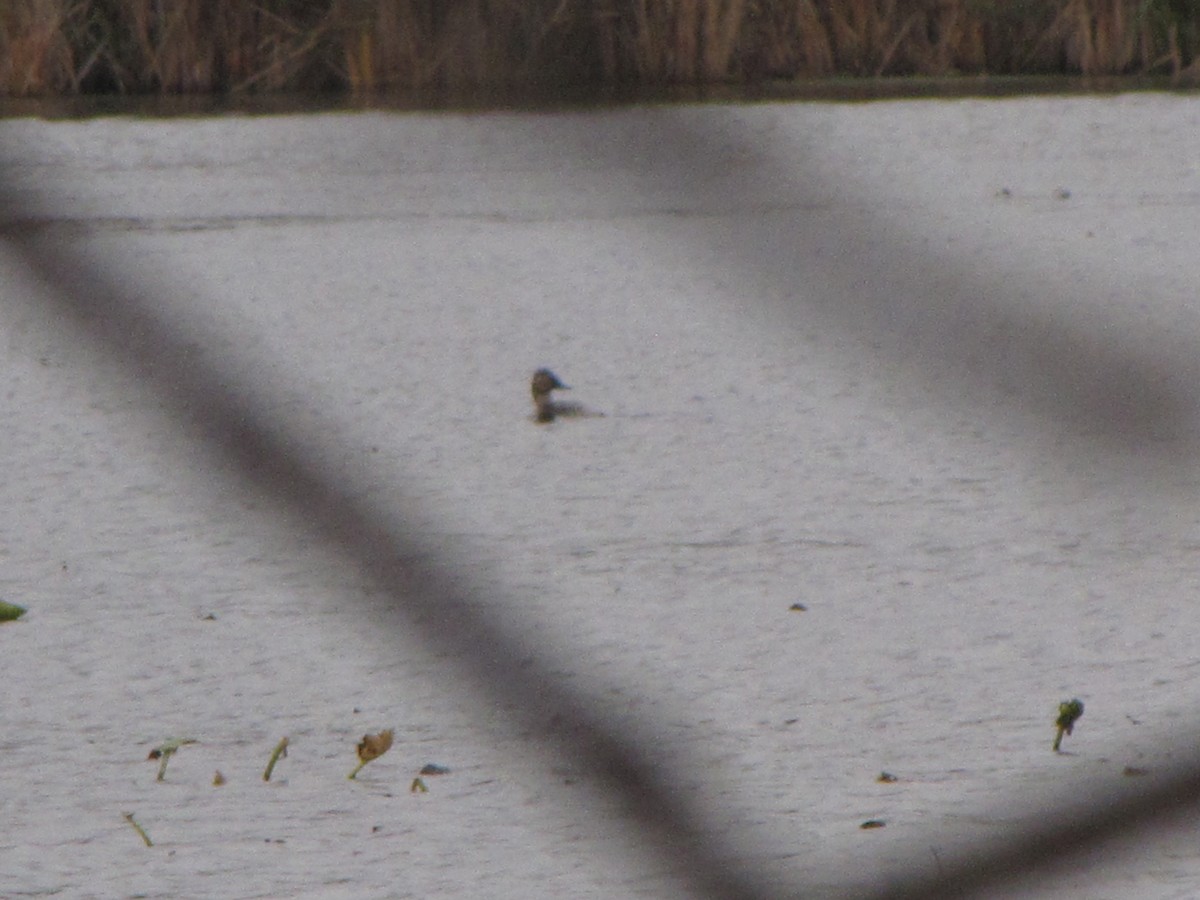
[{"x": 575, "y": 96}]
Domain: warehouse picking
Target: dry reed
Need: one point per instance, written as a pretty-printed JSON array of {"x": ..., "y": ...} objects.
[
  {"x": 34, "y": 51},
  {"x": 137, "y": 46}
]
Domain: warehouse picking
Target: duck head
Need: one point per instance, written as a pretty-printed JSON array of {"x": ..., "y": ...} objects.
[{"x": 545, "y": 381}]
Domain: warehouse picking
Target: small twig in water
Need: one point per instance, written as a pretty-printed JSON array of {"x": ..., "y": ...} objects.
[
  {"x": 279, "y": 753},
  {"x": 139, "y": 829}
]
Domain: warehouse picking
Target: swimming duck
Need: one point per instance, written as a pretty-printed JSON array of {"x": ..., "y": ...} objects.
[{"x": 548, "y": 409}]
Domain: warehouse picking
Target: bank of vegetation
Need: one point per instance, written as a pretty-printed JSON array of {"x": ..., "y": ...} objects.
[{"x": 199, "y": 46}]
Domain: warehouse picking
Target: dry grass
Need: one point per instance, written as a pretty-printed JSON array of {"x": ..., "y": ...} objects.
[
  {"x": 34, "y": 51},
  {"x": 54, "y": 46}
]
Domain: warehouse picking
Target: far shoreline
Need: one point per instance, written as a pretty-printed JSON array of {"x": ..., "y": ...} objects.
[{"x": 842, "y": 89}]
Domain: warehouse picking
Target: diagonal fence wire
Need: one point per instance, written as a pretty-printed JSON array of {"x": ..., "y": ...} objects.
[
  {"x": 1052, "y": 842},
  {"x": 256, "y": 445}
]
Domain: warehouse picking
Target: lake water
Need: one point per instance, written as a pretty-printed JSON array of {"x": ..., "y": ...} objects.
[{"x": 925, "y": 368}]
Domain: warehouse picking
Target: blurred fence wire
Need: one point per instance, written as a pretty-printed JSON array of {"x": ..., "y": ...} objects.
[{"x": 426, "y": 594}]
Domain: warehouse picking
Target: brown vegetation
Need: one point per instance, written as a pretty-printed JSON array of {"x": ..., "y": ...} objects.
[{"x": 183, "y": 46}]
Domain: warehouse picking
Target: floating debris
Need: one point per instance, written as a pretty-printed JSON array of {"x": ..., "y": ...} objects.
[
  {"x": 1069, "y": 712},
  {"x": 798, "y": 607},
  {"x": 434, "y": 769},
  {"x": 218, "y": 778},
  {"x": 887, "y": 778},
  {"x": 418, "y": 787},
  {"x": 165, "y": 751},
  {"x": 372, "y": 746},
  {"x": 1134, "y": 772},
  {"x": 872, "y": 823}
]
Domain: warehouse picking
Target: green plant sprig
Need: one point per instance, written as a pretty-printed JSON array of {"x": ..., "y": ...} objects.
[
  {"x": 1069, "y": 712},
  {"x": 10, "y": 611},
  {"x": 165, "y": 751}
]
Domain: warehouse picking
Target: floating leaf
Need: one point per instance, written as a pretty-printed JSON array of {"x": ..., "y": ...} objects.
[
  {"x": 418, "y": 787},
  {"x": 372, "y": 746},
  {"x": 218, "y": 778}
]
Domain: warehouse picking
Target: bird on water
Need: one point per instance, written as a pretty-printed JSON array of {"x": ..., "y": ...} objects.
[{"x": 546, "y": 408}]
